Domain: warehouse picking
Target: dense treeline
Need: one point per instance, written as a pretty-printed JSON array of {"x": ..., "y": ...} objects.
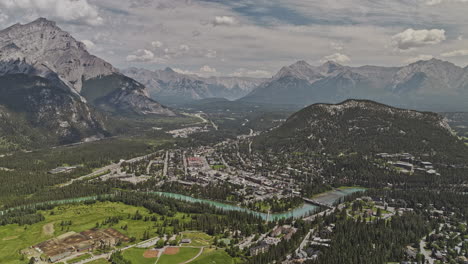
[
  {"x": 21, "y": 217},
  {"x": 218, "y": 192},
  {"x": 118, "y": 258},
  {"x": 426, "y": 199},
  {"x": 313, "y": 187},
  {"x": 360, "y": 242},
  {"x": 75, "y": 190},
  {"x": 204, "y": 217},
  {"x": 27, "y": 173},
  {"x": 275, "y": 205}
]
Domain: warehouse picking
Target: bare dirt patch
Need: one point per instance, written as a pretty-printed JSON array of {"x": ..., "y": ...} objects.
[
  {"x": 151, "y": 253},
  {"x": 171, "y": 251},
  {"x": 48, "y": 229}
]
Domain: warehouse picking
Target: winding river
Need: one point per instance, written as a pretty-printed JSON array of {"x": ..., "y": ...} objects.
[{"x": 306, "y": 209}]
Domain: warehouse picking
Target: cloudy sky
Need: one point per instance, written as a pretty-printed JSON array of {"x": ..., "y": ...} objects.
[{"x": 256, "y": 37}]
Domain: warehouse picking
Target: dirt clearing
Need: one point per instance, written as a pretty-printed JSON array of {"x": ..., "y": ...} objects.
[
  {"x": 171, "y": 251},
  {"x": 151, "y": 253},
  {"x": 48, "y": 229}
]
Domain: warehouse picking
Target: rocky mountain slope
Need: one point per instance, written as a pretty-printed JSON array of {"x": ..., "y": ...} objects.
[
  {"x": 425, "y": 85},
  {"x": 364, "y": 127},
  {"x": 34, "y": 112},
  {"x": 41, "y": 48},
  {"x": 171, "y": 87},
  {"x": 53, "y": 91}
]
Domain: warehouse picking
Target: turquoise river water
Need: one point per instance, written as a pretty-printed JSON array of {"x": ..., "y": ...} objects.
[{"x": 306, "y": 209}]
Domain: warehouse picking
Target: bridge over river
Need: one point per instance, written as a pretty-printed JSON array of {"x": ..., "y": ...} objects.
[{"x": 318, "y": 203}]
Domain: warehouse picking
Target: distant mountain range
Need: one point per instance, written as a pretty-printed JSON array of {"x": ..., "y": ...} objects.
[
  {"x": 425, "y": 85},
  {"x": 364, "y": 127},
  {"x": 53, "y": 86},
  {"x": 171, "y": 87}
]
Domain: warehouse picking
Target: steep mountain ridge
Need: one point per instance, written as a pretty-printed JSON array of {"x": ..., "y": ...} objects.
[
  {"x": 41, "y": 48},
  {"x": 427, "y": 85},
  {"x": 170, "y": 86},
  {"x": 44, "y": 46}
]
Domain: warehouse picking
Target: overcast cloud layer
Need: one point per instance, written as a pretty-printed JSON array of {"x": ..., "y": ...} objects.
[{"x": 255, "y": 37}]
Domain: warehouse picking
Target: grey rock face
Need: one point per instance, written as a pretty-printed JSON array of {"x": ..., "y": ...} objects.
[
  {"x": 37, "y": 112},
  {"x": 47, "y": 49},
  {"x": 426, "y": 85},
  {"x": 173, "y": 87},
  {"x": 40, "y": 48}
]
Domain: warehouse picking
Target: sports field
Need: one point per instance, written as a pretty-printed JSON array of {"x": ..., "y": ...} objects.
[
  {"x": 213, "y": 256},
  {"x": 99, "y": 261},
  {"x": 137, "y": 255},
  {"x": 184, "y": 254}
]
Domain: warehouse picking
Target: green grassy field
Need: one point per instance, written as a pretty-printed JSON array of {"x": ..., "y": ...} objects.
[
  {"x": 78, "y": 259},
  {"x": 14, "y": 238},
  {"x": 135, "y": 255},
  {"x": 218, "y": 167},
  {"x": 184, "y": 254},
  {"x": 213, "y": 256},
  {"x": 99, "y": 261},
  {"x": 198, "y": 239}
]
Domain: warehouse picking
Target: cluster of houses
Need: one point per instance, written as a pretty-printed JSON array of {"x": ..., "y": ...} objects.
[
  {"x": 451, "y": 243},
  {"x": 407, "y": 163},
  {"x": 276, "y": 236},
  {"x": 195, "y": 162}
]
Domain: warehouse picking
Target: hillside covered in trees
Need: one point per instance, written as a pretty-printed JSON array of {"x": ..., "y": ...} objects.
[{"x": 364, "y": 127}]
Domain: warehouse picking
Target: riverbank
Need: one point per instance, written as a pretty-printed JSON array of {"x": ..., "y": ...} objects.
[{"x": 306, "y": 209}]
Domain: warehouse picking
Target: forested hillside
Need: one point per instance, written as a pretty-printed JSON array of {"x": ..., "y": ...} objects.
[{"x": 365, "y": 127}]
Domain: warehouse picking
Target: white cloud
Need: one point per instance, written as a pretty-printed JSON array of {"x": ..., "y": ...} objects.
[
  {"x": 204, "y": 71},
  {"x": 361, "y": 29},
  {"x": 211, "y": 54},
  {"x": 3, "y": 17},
  {"x": 178, "y": 70},
  {"x": 412, "y": 38},
  {"x": 89, "y": 44},
  {"x": 207, "y": 70},
  {"x": 436, "y": 2},
  {"x": 76, "y": 11},
  {"x": 337, "y": 57},
  {"x": 422, "y": 57},
  {"x": 224, "y": 21},
  {"x": 141, "y": 55},
  {"x": 184, "y": 48},
  {"x": 157, "y": 44},
  {"x": 455, "y": 53},
  {"x": 242, "y": 72},
  {"x": 336, "y": 46}
]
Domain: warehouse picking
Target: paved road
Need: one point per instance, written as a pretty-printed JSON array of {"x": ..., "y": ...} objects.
[
  {"x": 148, "y": 168},
  {"x": 107, "y": 255},
  {"x": 184, "y": 161},
  {"x": 245, "y": 243},
  {"x": 304, "y": 242},
  {"x": 106, "y": 168},
  {"x": 192, "y": 259},
  {"x": 166, "y": 164},
  {"x": 95, "y": 173},
  {"x": 426, "y": 253}
]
